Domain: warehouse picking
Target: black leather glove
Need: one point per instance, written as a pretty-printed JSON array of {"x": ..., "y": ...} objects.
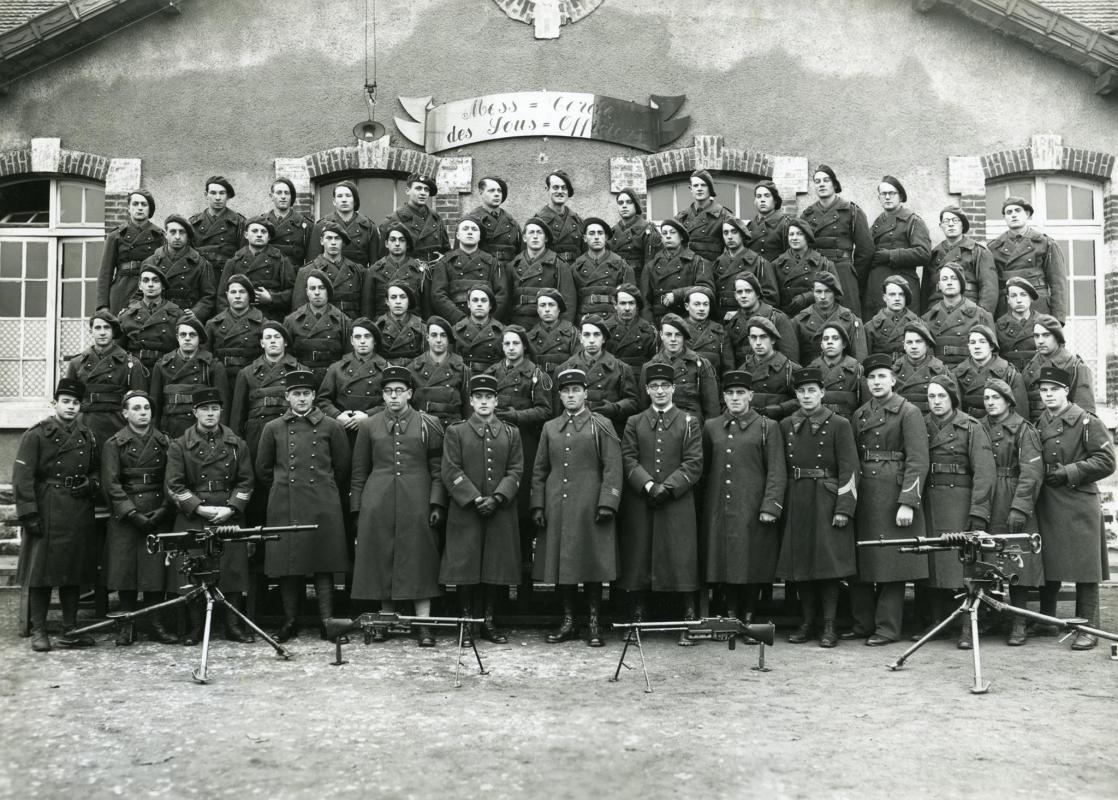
[
  {"x": 32, "y": 525},
  {"x": 880, "y": 258},
  {"x": 659, "y": 494},
  {"x": 486, "y": 506},
  {"x": 799, "y": 303},
  {"x": 505, "y": 414},
  {"x": 1017, "y": 520},
  {"x": 538, "y": 518},
  {"x": 435, "y": 518},
  {"x": 1057, "y": 478},
  {"x": 604, "y": 514},
  {"x": 144, "y": 523},
  {"x": 976, "y": 524},
  {"x": 82, "y": 490}
]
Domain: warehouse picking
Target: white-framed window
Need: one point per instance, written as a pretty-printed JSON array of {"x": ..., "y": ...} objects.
[
  {"x": 380, "y": 195},
  {"x": 1070, "y": 210},
  {"x": 668, "y": 197},
  {"x": 52, "y": 234}
]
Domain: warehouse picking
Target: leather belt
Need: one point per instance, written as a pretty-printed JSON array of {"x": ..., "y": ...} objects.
[
  {"x": 69, "y": 482},
  {"x": 834, "y": 252},
  {"x": 142, "y": 354},
  {"x": 813, "y": 474},
  {"x": 212, "y": 486},
  {"x": 883, "y": 455},
  {"x": 952, "y": 350},
  {"x": 137, "y": 475},
  {"x": 128, "y": 268},
  {"x": 179, "y": 399},
  {"x": 952, "y": 481},
  {"x": 1009, "y": 472},
  {"x": 597, "y": 298},
  {"x": 234, "y": 361},
  {"x": 951, "y": 469},
  {"x": 104, "y": 397}
]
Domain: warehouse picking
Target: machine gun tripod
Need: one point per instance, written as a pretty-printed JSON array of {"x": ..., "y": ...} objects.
[
  {"x": 200, "y": 550},
  {"x": 985, "y": 584}
]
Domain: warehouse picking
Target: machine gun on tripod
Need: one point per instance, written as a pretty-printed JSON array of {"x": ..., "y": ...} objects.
[
  {"x": 200, "y": 550},
  {"x": 985, "y": 582}
]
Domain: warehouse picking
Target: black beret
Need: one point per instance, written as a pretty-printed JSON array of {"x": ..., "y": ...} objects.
[
  {"x": 706, "y": 178},
  {"x": 109, "y": 317},
  {"x": 220, "y": 180},
  {"x": 144, "y": 193},
  {"x": 765, "y": 324},
  {"x": 804, "y": 227},
  {"x": 152, "y": 268},
  {"x": 950, "y": 385},
  {"x": 631, "y": 290},
  {"x": 829, "y": 280},
  {"x": 179, "y": 219},
  {"x": 957, "y": 268},
  {"x": 426, "y": 180},
  {"x": 899, "y": 280},
  {"x": 195, "y": 325},
  {"x": 896, "y": 184},
  {"x": 243, "y": 280},
  {"x": 484, "y": 287},
  {"x": 322, "y": 276},
  {"x": 518, "y": 330},
  {"x": 406, "y": 288},
  {"x": 1023, "y": 283},
  {"x": 632, "y": 195},
  {"x": 676, "y": 322},
  {"x": 986, "y": 331},
  {"x": 539, "y": 223},
  {"x": 597, "y": 221},
  {"x": 265, "y": 222},
  {"x": 555, "y": 295},
  {"x": 778, "y": 201},
  {"x": 271, "y": 324},
  {"x": 290, "y": 186},
  {"x": 1052, "y": 325},
  {"x": 1013, "y": 200},
  {"x": 563, "y": 177},
  {"x": 955, "y": 211},
  {"x": 332, "y": 227},
  {"x": 442, "y": 325},
  {"x": 826, "y": 170},
  {"x": 598, "y": 323},
  {"x": 918, "y": 327},
  {"x": 499, "y": 181},
  {"x": 1002, "y": 388},
  {"x": 677, "y": 226},
  {"x": 741, "y": 227},
  {"x": 352, "y": 190}
]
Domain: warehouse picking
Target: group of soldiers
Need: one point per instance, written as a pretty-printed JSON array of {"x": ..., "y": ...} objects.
[{"x": 667, "y": 407}]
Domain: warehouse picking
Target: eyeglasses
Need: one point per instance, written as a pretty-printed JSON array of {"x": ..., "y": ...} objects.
[{"x": 395, "y": 390}]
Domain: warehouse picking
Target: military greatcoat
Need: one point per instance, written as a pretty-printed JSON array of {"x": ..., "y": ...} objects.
[
  {"x": 770, "y": 234},
  {"x": 234, "y": 339},
  {"x": 565, "y": 227},
  {"x": 708, "y": 339},
  {"x": 107, "y": 376},
  {"x": 913, "y": 378},
  {"x": 902, "y": 236},
  {"x": 737, "y": 332},
  {"x": 611, "y": 388},
  {"x": 173, "y": 382},
  {"x": 527, "y": 276},
  {"x": 402, "y": 339},
  {"x": 795, "y": 276},
  {"x": 773, "y": 393},
  {"x": 552, "y": 344},
  {"x": 632, "y": 342},
  {"x": 318, "y": 337},
  {"x": 725, "y": 272},
  {"x": 267, "y": 269},
  {"x": 842, "y": 384},
  {"x": 696, "y": 385},
  {"x": 595, "y": 280},
  {"x": 259, "y": 396},
  {"x": 523, "y": 401},
  {"x": 978, "y": 269},
  {"x": 440, "y": 388},
  {"x": 636, "y": 240},
  {"x": 126, "y": 248},
  {"x": 972, "y": 379},
  {"x": 293, "y": 234},
  {"x": 150, "y": 330},
  {"x": 456, "y": 273},
  {"x": 885, "y": 332},
  {"x": 364, "y": 239},
  {"x": 217, "y": 236},
  {"x": 479, "y": 344},
  {"x": 1017, "y": 485},
  {"x": 345, "y": 276},
  {"x": 500, "y": 233},
  {"x": 1082, "y": 389},
  {"x": 352, "y": 383},
  {"x": 1015, "y": 340},
  {"x": 704, "y": 228},
  {"x": 671, "y": 273},
  {"x": 427, "y": 229},
  {"x": 842, "y": 236},
  {"x": 809, "y": 325},
  {"x": 389, "y": 270},
  {"x": 951, "y": 328},
  {"x": 191, "y": 280},
  {"x": 1037, "y": 258}
]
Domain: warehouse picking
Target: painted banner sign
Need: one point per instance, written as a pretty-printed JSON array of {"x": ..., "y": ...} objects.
[{"x": 572, "y": 114}]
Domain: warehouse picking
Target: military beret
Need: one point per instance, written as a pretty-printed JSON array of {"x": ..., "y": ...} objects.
[
  {"x": 406, "y": 288},
  {"x": 918, "y": 327},
  {"x": 499, "y": 181},
  {"x": 426, "y": 180},
  {"x": 539, "y": 223},
  {"x": 698, "y": 289},
  {"x": 1023, "y": 283},
  {"x": 483, "y": 383},
  {"x": 332, "y": 227},
  {"x": 771, "y": 187},
  {"x": 955, "y": 211},
  {"x": 676, "y": 322},
  {"x": 195, "y": 325},
  {"x": 877, "y": 361},
  {"x": 144, "y": 193},
  {"x": 367, "y": 324},
  {"x": 842, "y": 331},
  {"x": 802, "y": 377},
  {"x": 598, "y": 323},
  {"x": 805, "y": 228},
  {"x": 300, "y": 379},
  {"x": 830, "y": 173},
  {"x": 476, "y": 221},
  {"x": 765, "y": 324},
  {"x": 631, "y": 290},
  {"x": 70, "y": 387},
  {"x": 957, "y": 268},
  {"x": 751, "y": 279},
  {"x": 271, "y": 324},
  {"x": 568, "y": 377},
  {"x": 947, "y": 381},
  {"x": 706, "y": 178},
  {"x": 739, "y": 226},
  {"x": 243, "y": 280},
  {"x": 290, "y": 184},
  {"x": 553, "y": 294},
  {"x": 353, "y": 190},
  {"x": 487, "y": 290},
  {"x": 597, "y": 221},
  {"x": 896, "y": 184},
  {"x": 519, "y": 332},
  {"x": 440, "y": 323},
  {"x": 132, "y": 394},
  {"x": 1013, "y": 200},
  {"x": 1002, "y": 388},
  {"x": 561, "y": 175},
  {"x": 829, "y": 280},
  {"x": 205, "y": 395},
  {"x": 899, "y": 280},
  {"x": 737, "y": 377},
  {"x": 658, "y": 371},
  {"x": 263, "y": 221},
  {"x": 632, "y": 195},
  {"x": 322, "y": 276},
  {"x": 220, "y": 180},
  {"x": 677, "y": 226},
  {"x": 183, "y": 222},
  {"x": 1052, "y": 325},
  {"x": 154, "y": 270},
  {"x": 1055, "y": 375},
  {"x": 109, "y": 317},
  {"x": 397, "y": 375},
  {"x": 986, "y": 331}
]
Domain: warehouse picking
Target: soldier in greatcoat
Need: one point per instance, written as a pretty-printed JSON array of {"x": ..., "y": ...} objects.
[
  {"x": 670, "y": 271},
  {"x": 841, "y": 234},
  {"x": 107, "y": 372},
  {"x": 293, "y": 227},
  {"x": 892, "y": 443},
  {"x": 901, "y": 246},
  {"x": 768, "y": 228},
  {"x": 1015, "y": 327},
  {"x": 973, "y": 256},
  {"x": 960, "y": 489},
  {"x": 318, "y": 328},
  {"x": 351, "y": 390},
  {"x": 825, "y": 310},
  {"x": 770, "y": 370},
  {"x": 272, "y": 275},
  {"x": 916, "y": 365},
  {"x": 441, "y": 376},
  {"x": 463, "y": 268},
  {"x": 746, "y": 479},
  {"x": 885, "y": 331},
  {"x": 133, "y": 467},
  {"x": 500, "y": 232},
  {"x": 218, "y": 229},
  {"x": 191, "y": 280},
  {"x": 797, "y": 268},
  {"x": 1077, "y": 453},
  {"x": 402, "y": 333},
  {"x": 233, "y": 335},
  {"x": 747, "y": 295},
  {"x": 634, "y": 238},
  {"x": 55, "y": 477},
  {"x": 696, "y": 384},
  {"x": 551, "y": 336},
  {"x": 209, "y": 479},
  {"x": 1052, "y": 351},
  {"x": 364, "y": 246},
  {"x": 1022, "y": 251},
  {"x": 483, "y": 470},
  {"x": 611, "y": 388},
  {"x": 983, "y": 364},
  {"x": 303, "y": 460},
  {"x": 148, "y": 324},
  {"x": 563, "y": 224},
  {"x": 347, "y": 277},
  {"x": 477, "y": 337},
  {"x": 399, "y": 499},
  {"x": 397, "y": 267},
  {"x": 596, "y": 273},
  {"x": 662, "y": 454},
  {"x": 951, "y": 318},
  {"x": 702, "y": 219},
  {"x": 708, "y": 338},
  {"x": 817, "y": 550},
  {"x": 737, "y": 260},
  {"x": 1017, "y": 485},
  {"x": 126, "y": 248},
  {"x": 179, "y": 373},
  {"x": 632, "y": 338},
  {"x": 426, "y": 226},
  {"x": 842, "y": 374},
  {"x": 534, "y": 269}
]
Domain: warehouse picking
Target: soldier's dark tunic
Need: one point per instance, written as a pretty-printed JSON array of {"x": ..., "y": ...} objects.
[
  {"x": 842, "y": 235},
  {"x": 1070, "y": 516},
  {"x": 595, "y": 280},
  {"x": 396, "y": 479},
  {"x": 704, "y": 228},
  {"x": 453, "y": 277},
  {"x": 725, "y": 271},
  {"x": 1017, "y": 485},
  {"x": 951, "y": 328},
  {"x": 737, "y": 332},
  {"x": 633, "y": 342},
  {"x": 577, "y": 470},
  {"x": 364, "y": 239},
  {"x": 913, "y": 377},
  {"x": 150, "y": 331},
  {"x": 126, "y": 248},
  {"x": 892, "y": 441},
  {"x": 809, "y": 325},
  {"x": 773, "y": 393},
  {"x": 191, "y": 280},
  {"x": 972, "y": 383},
  {"x": 660, "y": 546},
  {"x": 611, "y": 387},
  {"x": 133, "y": 469},
  {"x": 303, "y": 462},
  {"x": 107, "y": 377},
  {"x": 259, "y": 396},
  {"x": 402, "y": 339},
  {"x": 978, "y": 269},
  {"x": 212, "y": 470},
  {"x": 770, "y": 234},
  {"x": 1039, "y": 259},
  {"x": 745, "y": 477},
  {"x": 1082, "y": 389},
  {"x": 670, "y": 272},
  {"x": 960, "y": 486},
  {"x": 708, "y": 339},
  {"x": 293, "y": 235},
  {"x": 636, "y": 240},
  {"x": 1015, "y": 340},
  {"x": 696, "y": 385},
  {"x": 427, "y": 229},
  {"x": 795, "y": 276},
  {"x": 842, "y": 384},
  {"x": 479, "y": 344},
  {"x": 346, "y": 277},
  {"x": 173, "y": 382},
  {"x": 903, "y": 236},
  {"x": 319, "y": 337},
  {"x": 553, "y": 344},
  {"x": 500, "y": 233},
  {"x": 481, "y": 460},
  {"x": 352, "y": 383},
  {"x": 822, "y": 463},
  {"x": 565, "y": 227},
  {"x": 440, "y": 388},
  {"x": 234, "y": 339},
  {"x": 389, "y": 270},
  {"x": 268, "y": 269},
  {"x": 217, "y": 236},
  {"x": 527, "y": 276},
  {"x": 523, "y": 401},
  {"x": 50, "y": 458},
  {"x": 885, "y": 332}
]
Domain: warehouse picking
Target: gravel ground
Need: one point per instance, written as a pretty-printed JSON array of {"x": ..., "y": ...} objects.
[{"x": 116, "y": 722}]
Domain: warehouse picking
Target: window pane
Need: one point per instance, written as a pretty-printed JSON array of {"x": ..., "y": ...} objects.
[
  {"x": 70, "y": 203},
  {"x": 25, "y": 202},
  {"x": 72, "y": 260},
  {"x": 36, "y": 260},
  {"x": 94, "y": 205},
  {"x": 35, "y": 299},
  {"x": 93, "y": 251},
  {"x": 661, "y": 201},
  {"x": 72, "y": 300},
  {"x": 380, "y": 196},
  {"x": 1083, "y": 299},
  {"x": 1056, "y": 198},
  {"x": 11, "y": 299},
  {"x": 9, "y": 379},
  {"x": 11, "y": 259},
  {"x": 1082, "y": 203},
  {"x": 1083, "y": 258},
  {"x": 997, "y": 192}
]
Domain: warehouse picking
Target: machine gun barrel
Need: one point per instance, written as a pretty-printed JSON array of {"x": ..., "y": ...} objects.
[
  {"x": 213, "y": 537},
  {"x": 955, "y": 539},
  {"x": 707, "y": 627}
]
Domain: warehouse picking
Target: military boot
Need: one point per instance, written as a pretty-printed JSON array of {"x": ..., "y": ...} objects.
[
  {"x": 594, "y": 629},
  {"x": 1086, "y": 607},
  {"x": 567, "y": 629},
  {"x": 324, "y": 596},
  {"x": 828, "y": 638},
  {"x": 489, "y": 630},
  {"x": 39, "y": 601},
  {"x": 196, "y": 626}
]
